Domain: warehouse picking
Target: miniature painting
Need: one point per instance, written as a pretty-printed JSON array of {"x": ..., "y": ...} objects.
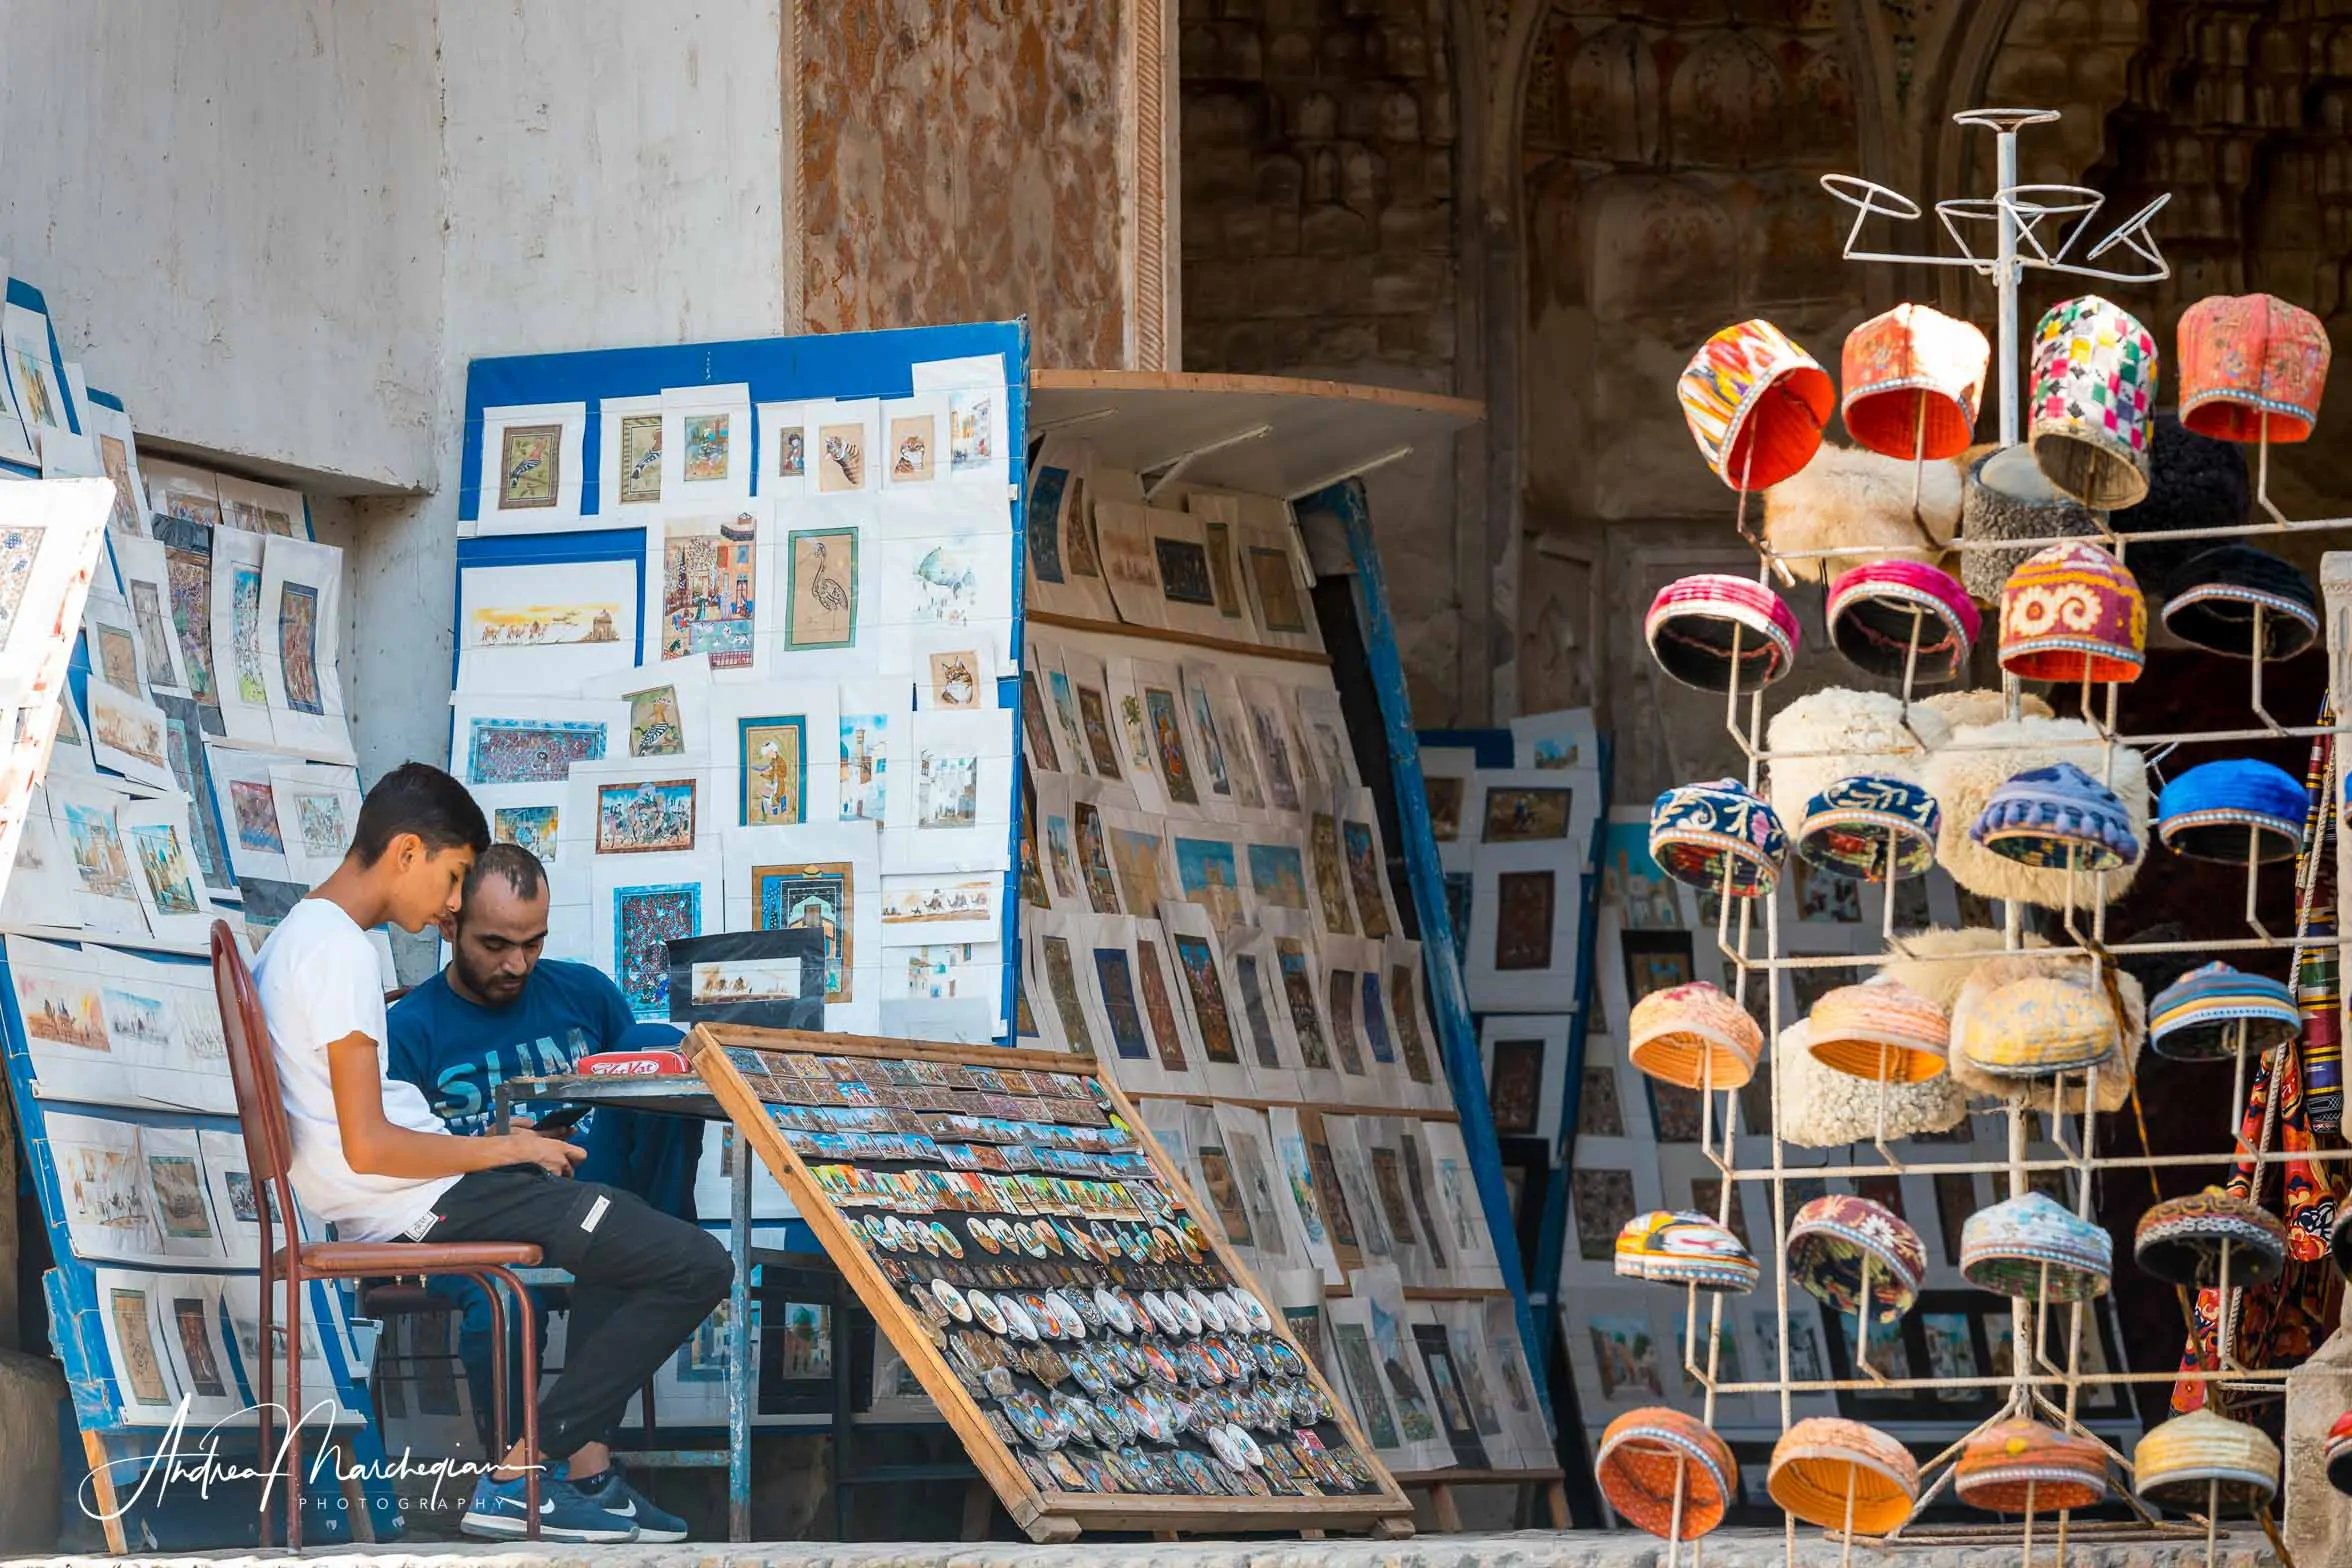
[
  {"x": 946, "y": 586},
  {"x": 954, "y": 681},
  {"x": 1278, "y": 590},
  {"x": 154, "y": 631},
  {"x": 1364, "y": 876},
  {"x": 40, "y": 399},
  {"x": 1340, "y": 993},
  {"x": 1212, "y": 748},
  {"x": 1331, "y": 1195},
  {"x": 528, "y": 751},
  {"x": 1102, "y": 891},
  {"x": 1445, "y": 807},
  {"x": 1065, "y": 701},
  {"x": 19, "y": 548},
  {"x": 1077, "y": 526},
  {"x": 527, "y": 827},
  {"x": 637, "y": 819},
  {"x": 1160, "y": 1007},
  {"x": 1253, "y": 1008},
  {"x": 98, "y": 852},
  {"x": 1061, "y": 857},
  {"x": 1224, "y": 1195},
  {"x": 537, "y": 625},
  {"x": 841, "y": 458},
  {"x": 1184, "y": 571},
  {"x": 1094, "y": 718},
  {"x": 256, "y": 811},
  {"x": 298, "y": 646},
  {"x": 1274, "y": 751},
  {"x": 115, "y": 459},
  {"x": 1323, "y": 840},
  {"x": 709, "y": 447},
  {"x": 821, "y": 607},
  {"x": 530, "y": 466},
  {"x": 1033, "y": 725},
  {"x": 135, "y": 1018},
  {"x": 140, "y": 1374},
  {"x": 118, "y": 660},
  {"x": 811, "y": 898},
  {"x": 1168, "y": 737},
  {"x": 1061, "y": 979},
  {"x": 792, "y": 453},
  {"x": 953, "y": 901},
  {"x": 165, "y": 863},
  {"x": 1523, "y": 816},
  {"x": 1363, "y": 1379},
  {"x": 772, "y": 755},
  {"x": 1523, "y": 920},
  {"x": 710, "y": 588},
  {"x": 911, "y": 441},
  {"x": 1115, "y": 976},
  {"x": 191, "y": 612},
  {"x": 245, "y": 634},
  {"x": 192, "y": 1318},
  {"x": 1220, "y": 548},
  {"x": 1135, "y": 856},
  {"x": 645, "y": 920},
  {"x": 1045, "y": 532},
  {"x": 865, "y": 766},
  {"x": 1515, "y": 1085},
  {"x": 179, "y": 1197},
  {"x": 1201, "y": 977},
  {"x": 1278, "y": 875},
  {"x": 947, "y": 790},
  {"x": 1404, "y": 1003},
  {"x": 655, "y": 728},
  {"x": 971, "y": 432},
  {"x": 745, "y": 980},
  {"x": 64, "y": 1012},
  {"x": 641, "y": 455},
  {"x": 1206, "y": 870},
  {"x": 1298, "y": 989}
]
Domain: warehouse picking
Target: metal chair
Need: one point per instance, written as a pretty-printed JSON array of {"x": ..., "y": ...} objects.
[{"x": 269, "y": 1152}]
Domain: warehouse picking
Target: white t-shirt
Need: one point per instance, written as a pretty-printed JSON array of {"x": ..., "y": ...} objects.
[{"x": 319, "y": 982}]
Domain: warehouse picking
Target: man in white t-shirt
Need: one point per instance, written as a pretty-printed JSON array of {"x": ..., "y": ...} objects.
[{"x": 371, "y": 1158}]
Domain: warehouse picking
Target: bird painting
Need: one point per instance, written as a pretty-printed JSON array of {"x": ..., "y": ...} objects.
[{"x": 828, "y": 592}]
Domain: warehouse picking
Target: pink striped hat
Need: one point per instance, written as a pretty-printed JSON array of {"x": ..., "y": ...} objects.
[
  {"x": 1694, "y": 622},
  {"x": 1876, "y": 611}
]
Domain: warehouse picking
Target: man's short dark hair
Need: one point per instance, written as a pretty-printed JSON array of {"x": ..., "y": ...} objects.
[
  {"x": 515, "y": 865},
  {"x": 418, "y": 798}
]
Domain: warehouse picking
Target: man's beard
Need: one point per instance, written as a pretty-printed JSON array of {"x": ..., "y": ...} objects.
[{"x": 490, "y": 986}]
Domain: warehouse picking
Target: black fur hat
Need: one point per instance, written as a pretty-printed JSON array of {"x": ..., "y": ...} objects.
[{"x": 2194, "y": 481}]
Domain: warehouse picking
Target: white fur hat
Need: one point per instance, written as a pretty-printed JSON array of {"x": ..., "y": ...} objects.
[
  {"x": 1821, "y": 1108},
  {"x": 2000, "y": 969},
  {"x": 1977, "y": 759},
  {"x": 1847, "y": 496},
  {"x": 1856, "y": 732}
]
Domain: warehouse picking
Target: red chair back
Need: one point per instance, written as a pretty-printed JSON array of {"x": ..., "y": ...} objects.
[{"x": 261, "y": 1109}]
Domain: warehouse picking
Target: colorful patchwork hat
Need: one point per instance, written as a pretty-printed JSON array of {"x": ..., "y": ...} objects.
[
  {"x": 1913, "y": 379},
  {"x": 2055, "y": 817},
  {"x": 2039, "y": 1027},
  {"x": 1756, "y": 404},
  {"x": 2094, "y": 382},
  {"x": 2233, "y": 811},
  {"x": 1830, "y": 1472},
  {"x": 1881, "y": 1031},
  {"x": 2339, "y": 1454},
  {"x": 1695, "y": 1036},
  {"x": 2016, "y": 1462},
  {"x": 2007, "y": 496},
  {"x": 2194, "y": 1019},
  {"x": 1831, "y": 1237},
  {"x": 2007, "y": 1248},
  {"x": 2073, "y": 612},
  {"x": 1887, "y": 617},
  {"x": 2180, "y": 1240},
  {"x": 2211, "y": 598},
  {"x": 2250, "y": 360},
  {"x": 1698, "y": 832},
  {"x": 1646, "y": 1455},
  {"x": 1870, "y": 827},
  {"x": 1679, "y": 1247},
  {"x": 1694, "y": 623},
  {"x": 2204, "y": 1460}
]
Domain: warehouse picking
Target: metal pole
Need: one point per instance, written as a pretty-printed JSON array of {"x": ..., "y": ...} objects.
[{"x": 2005, "y": 278}]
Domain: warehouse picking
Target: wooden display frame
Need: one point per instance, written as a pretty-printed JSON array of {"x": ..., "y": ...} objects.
[{"x": 1054, "y": 1516}]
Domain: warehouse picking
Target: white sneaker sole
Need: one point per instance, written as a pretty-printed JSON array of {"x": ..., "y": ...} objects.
[{"x": 509, "y": 1527}]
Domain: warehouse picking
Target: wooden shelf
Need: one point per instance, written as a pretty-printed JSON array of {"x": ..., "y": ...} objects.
[
  {"x": 1079, "y": 623},
  {"x": 1325, "y": 1107}
]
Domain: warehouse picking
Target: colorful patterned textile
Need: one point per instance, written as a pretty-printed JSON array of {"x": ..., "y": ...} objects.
[
  {"x": 2005, "y": 1464},
  {"x": 2180, "y": 1240},
  {"x": 2195, "y": 1018},
  {"x": 2039, "y": 1027},
  {"x": 2032, "y": 1247},
  {"x": 1832, "y": 1236},
  {"x": 1857, "y": 825},
  {"x": 2210, "y": 600},
  {"x": 1695, "y": 621},
  {"x": 1881, "y": 1031},
  {"x": 2233, "y": 811},
  {"x": 2057, "y": 816},
  {"x": 1678, "y": 1247},
  {"x": 2179, "y": 1463},
  {"x": 2247, "y": 360},
  {"x": 1913, "y": 379},
  {"x": 2094, "y": 382},
  {"x": 1695, "y": 1036},
  {"x": 2073, "y": 612},
  {"x": 1645, "y": 1454},
  {"x": 1756, "y": 404},
  {"x": 1824, "y": 1465},
  {"x": 1889, "y": 616},
  {"x": 1698, "y": 831}
]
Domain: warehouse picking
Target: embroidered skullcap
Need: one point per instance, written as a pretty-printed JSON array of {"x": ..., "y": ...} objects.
[
  {"x": 2094, "y": 382},
  {"x": 2339, "y": 1454},
  {"x": 2056, "y": 816},
  {"x": 2007, "y": 496},
  {"x": 2204, "y": 1460},
  {"x": 1695, "y": 1036},
  {"x": 2039, "y": 1027},
  {"x": 1856, "y": 825},
  {"x": 2251, "y": 359},
  {"x": 2004, "y": 1464},
  {"x": 1829, "y": 1241},
  {"x": 2070, "y": 612},
  {"x": 1881, "y": 1031},
  {"x": 1824, "y": 1465},
  {"x": 1642, "y": 1457},
  {"x": 1680, "y": 1247},
  {"x": 1756, "y": 404},
  {"x": 2211, "y": 599},
  {"x": 1880, "y": 612},
  {"x": 2007, "y": 1247},
  {"x": 1695, "y": 621},
  {"x": 2233, "y": 811},
  {"x": 1913, "y": 380},
  {"x": 2180, "y": 1240},
  {"x": 1698, "y": 831},
  {"x": 2194, "y": 1018}
]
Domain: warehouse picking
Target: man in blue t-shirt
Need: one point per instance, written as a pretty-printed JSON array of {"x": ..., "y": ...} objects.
[{"x": 500, "y": 1011}]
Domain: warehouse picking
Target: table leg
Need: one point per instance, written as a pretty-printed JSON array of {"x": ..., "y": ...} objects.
[{"x": 743, "y": 1387}]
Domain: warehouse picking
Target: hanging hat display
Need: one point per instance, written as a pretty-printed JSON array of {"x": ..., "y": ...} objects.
[
  {"x": 1695, "y": 1036},
  {"x": 2094, "y": 383},
  {"x": 1913, "y": 379},
  {"x": 1978, "y": 760},
  {"x": 1756, "y": 404},
  {"x": 2248, "y": 361},
  {"x": 2038, "y": 1027},
  {"x": 2007, "y": 496},
  {"x": 1696, "y": 622},
  {"x": 1830, "y": 1238},
  {"x": 1881, "y": 1031},
  {"x": 2058, "y": 816},
  {"x": 2210, "y": 601},
  {"x": 1830, "y": 1472},
  {"x": 2339, "y": 1454},
  {"x": 1891, "y": 616},
  {"x": 1821, "y": 1108},
  {"x": 1645, "y": 1455},
  {"x": 2008, "y": 1247},
  {"x": 1698, "y": 832},
  {"x": 2203, "y": 1460},
  {"x": 1870, "y": 827},
  {"x": 2006, "y": 1464},
  {"x": 2194, "y": 1019},
  {"x": 2233, "y": 811},
  {"x": 1851, "y": 507},
  {"x": 2070, "y": 613},
  {"x": 2180, "y": 1240},
  {"x": 1679, "y": 1247}
]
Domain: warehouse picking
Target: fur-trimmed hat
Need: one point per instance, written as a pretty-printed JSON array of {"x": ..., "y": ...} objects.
[
  {"x": 1849, "y": 497},
  {"x": 1998, "y": 970},
  {"x": 1975, "y": 760},
  {"x": 1841, "y": 732},
  {"x": 1822, "y": 1108},
  {"x": 2007, "y": 496}
]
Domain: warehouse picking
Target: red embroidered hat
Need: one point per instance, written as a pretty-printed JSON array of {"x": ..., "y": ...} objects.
[{"x": 2250, "y": 361}]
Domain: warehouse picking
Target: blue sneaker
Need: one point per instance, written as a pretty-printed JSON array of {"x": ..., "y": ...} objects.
[
  {"x": 610, "y": 1490},
  {"x": 498, "y": 1512}
]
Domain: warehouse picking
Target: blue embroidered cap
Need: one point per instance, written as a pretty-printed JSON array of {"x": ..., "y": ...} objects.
[
  {"x": 2233, "y": 811},
  {"x": 2191, "y": 1019},
  {"x": 1857, "y": 825},
  {"x": 2043, "y": 814},
  {"x": 2007, "y": 1247},
  {"x": 1698, "y": 830}
]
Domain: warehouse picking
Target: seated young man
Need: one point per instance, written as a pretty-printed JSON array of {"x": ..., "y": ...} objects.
[
  {"x": 372, "y": 1159},
  {"x": 499, "y": 1011}
]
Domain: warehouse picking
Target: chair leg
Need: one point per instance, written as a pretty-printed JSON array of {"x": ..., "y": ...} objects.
[
  {"x": 531, "y": 1454},
  {"x": 499, "y": 1430},
  {"x": 265, "y": 1381},
  {"x": 294, "y": 1412}
]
